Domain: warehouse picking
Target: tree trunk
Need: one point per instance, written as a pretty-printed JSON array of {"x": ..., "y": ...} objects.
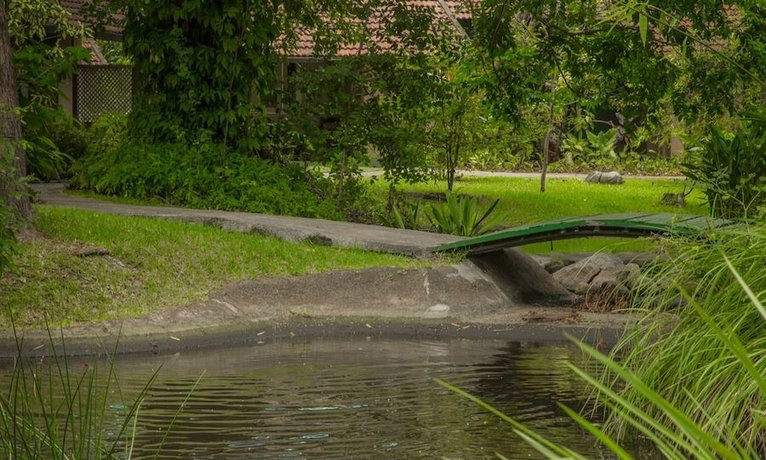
[
  {"x": 546, "y": 151},
  {"x": 13, "y": 161}
]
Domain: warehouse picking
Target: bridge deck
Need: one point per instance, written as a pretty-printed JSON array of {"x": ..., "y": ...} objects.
[{"x": 631, "y": 225}]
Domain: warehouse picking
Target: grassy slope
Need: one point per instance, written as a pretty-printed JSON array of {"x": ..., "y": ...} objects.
[
  {"x": 522, "y": 203},
  {"x": 151, "y": 264}
]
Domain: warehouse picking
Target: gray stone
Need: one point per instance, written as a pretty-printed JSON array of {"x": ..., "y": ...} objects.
[
  {"x": 630, "y": 275},
  {"x": 586, "y": 270},
  {"x": 439, "y": 310},
  {"x": 611, "y": 177},
  {"x": 551, "y": 263},
  {"x": 582, "y": 288},
  {"x": 674, "y": 199},
  {"x": 606, "y": 280},
  {"x": 598, "y": 177},
  {"x": 521, "y": 277}
]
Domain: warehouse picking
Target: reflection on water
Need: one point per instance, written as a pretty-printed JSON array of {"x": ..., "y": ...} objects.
[{"x": 352, "y": 399}]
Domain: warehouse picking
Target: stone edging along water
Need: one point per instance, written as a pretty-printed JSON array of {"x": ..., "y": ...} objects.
[{"x": 459, "y": 301}]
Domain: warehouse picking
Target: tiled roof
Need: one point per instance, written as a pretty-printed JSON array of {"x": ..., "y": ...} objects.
[
  {"x": 378, "y": 35},
  {"x": 304, "y": 43},
  {"x": 77, "y": 8}
]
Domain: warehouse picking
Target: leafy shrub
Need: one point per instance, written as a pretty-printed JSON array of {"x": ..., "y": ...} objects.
[
  {"x": 52, "y": 139},
  {"x": 731, "y": 168},
  {"x": 406, "y": 214},
  {"x": 461, "y": 216},
  {"x": 107, "y": 132},
  {"x": 205, "y": 175}
]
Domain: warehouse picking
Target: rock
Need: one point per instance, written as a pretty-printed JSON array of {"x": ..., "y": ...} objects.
[
  {"x": 630, "y": 275},
  {"x": 593, "y": 177},
  {"x": 439, "y": 310},
  {"x": 551, "y": 263},
  {"x": 586, "y": 270},
  {"x": 521, "y": 277},
  {"x": 598, "y": 177},
  {"x": 582, "y": 288},
  {"x": 639, "y": 258},
  {"x": 606, "y": 280},
  {"x": 674, "y": 199}
]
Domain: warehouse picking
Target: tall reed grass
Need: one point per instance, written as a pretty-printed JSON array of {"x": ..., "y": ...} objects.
[
  {"x": 705, "y": 351},
  {"x": 54, "y": 409},
  {"x": 690, "y": 377}
]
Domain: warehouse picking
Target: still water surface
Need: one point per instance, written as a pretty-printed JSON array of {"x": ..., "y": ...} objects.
[{"x": 353, "y": 399}]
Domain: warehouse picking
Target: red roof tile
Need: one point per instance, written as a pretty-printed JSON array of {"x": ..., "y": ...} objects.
[
  {"x": 378, "y": 35},
  {"x": 78, "y": 10},
  {"x": 304, "y": 43}
]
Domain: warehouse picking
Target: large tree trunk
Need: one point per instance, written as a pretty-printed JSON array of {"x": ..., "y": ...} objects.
[{"x": 11, "y": 189}]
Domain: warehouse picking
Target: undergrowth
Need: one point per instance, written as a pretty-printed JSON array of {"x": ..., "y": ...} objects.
[{"x": 205, "y": 175}]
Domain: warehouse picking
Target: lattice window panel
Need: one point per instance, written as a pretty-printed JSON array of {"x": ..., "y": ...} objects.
[{"x": 101, "y": 89}]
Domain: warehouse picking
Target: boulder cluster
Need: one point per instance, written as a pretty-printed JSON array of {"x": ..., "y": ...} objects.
[{"x": 600, "y": 277}]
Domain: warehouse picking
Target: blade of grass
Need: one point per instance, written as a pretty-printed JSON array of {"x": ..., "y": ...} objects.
[{"x": 610, "y": 443}]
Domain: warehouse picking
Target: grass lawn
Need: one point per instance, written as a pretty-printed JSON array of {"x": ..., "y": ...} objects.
[
  {"x": 522, "y": 203},
  {"x": 148, "y": 264}
]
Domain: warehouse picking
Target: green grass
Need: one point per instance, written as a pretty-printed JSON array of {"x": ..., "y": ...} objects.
[
  {"x": 708, "y": 356},
  {"x": 152, "y": 264},
  {"x": 522, "y": 203}
]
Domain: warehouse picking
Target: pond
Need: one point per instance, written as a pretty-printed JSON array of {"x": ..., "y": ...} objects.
[
  {"x": 334, "y": 398},
  {"x": 359, "y": 398}
]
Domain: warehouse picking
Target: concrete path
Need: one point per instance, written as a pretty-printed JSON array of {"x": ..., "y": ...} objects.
[
  {"x": 327, "y": 232},
  {"x": 530, "y": 175}
]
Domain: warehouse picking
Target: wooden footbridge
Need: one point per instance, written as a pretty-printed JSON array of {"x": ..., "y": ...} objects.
[{"x": 620, "y": 225}]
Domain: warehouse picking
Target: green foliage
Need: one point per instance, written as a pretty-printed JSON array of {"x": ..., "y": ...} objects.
[
  {"x": 654, "y": 62},
  {"x": 8, "y": 219},
  {"x": 8, "y": 244},
  {"x": 52, "y": 140},
  {"x": 595, "y": 147},
  {"x": 461, "y": 216},
  {"x": 106, "y": 133},
  {"x": 113, "y": 52},
  {"x": 731, "y": 168},
  {"x": 206, "y": 175},
  {"x": 406, "y": 214},
  {"x": 199, "y": 65},
  {"x": 42, "y": 62},
  {"x": 349, "y": 107}
]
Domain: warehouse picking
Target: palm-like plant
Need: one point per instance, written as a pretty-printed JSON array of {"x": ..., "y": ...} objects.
[{"x": 461, "y": 216}]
